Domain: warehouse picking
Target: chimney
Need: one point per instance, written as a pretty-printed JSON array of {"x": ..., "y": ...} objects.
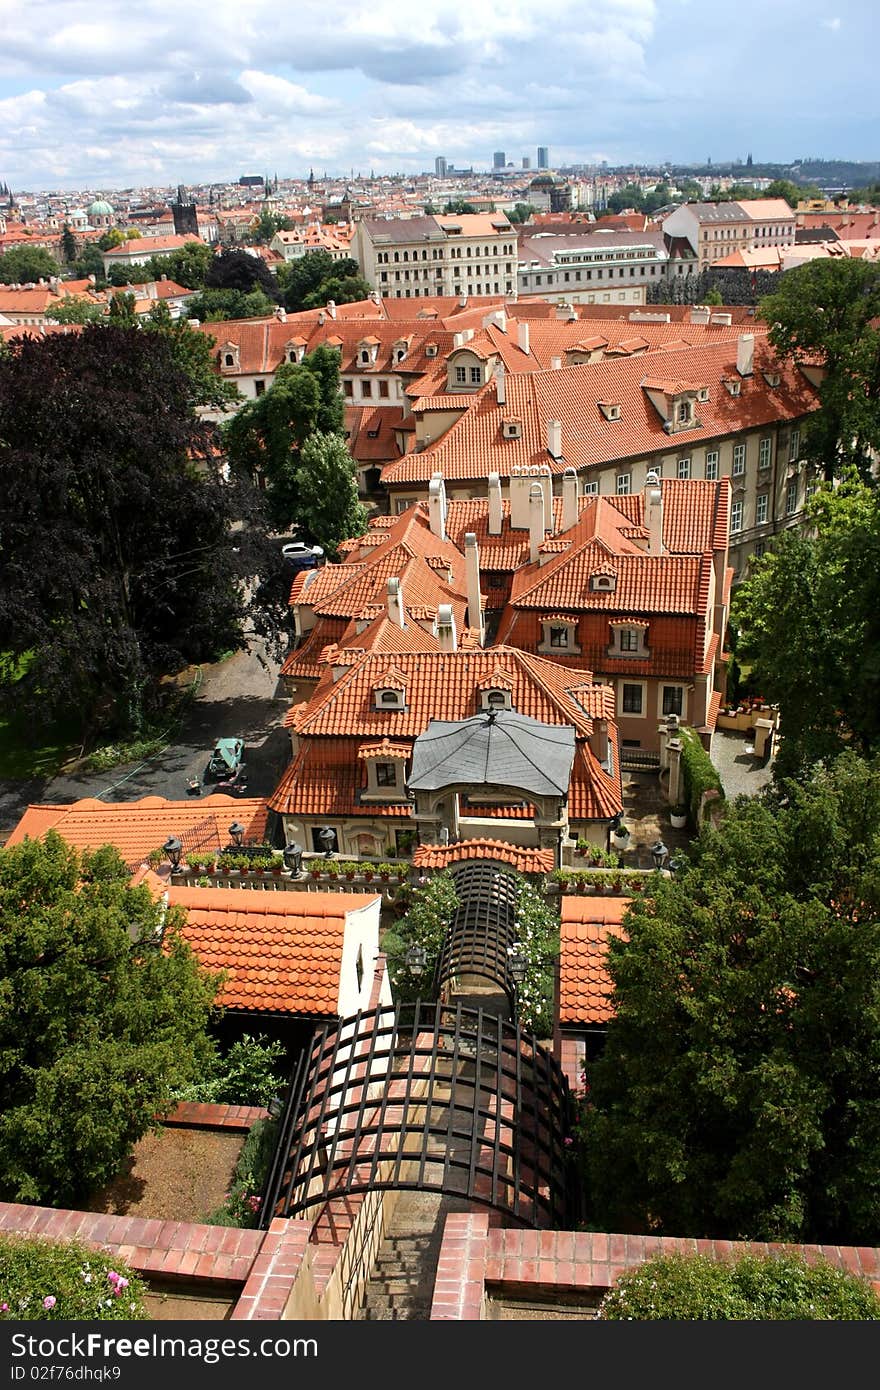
[
  {"x": 321, "y": 319},
  {"x": 462, "y": 300},
  {"x": 472, "y": 574},
  {"x": 500, "y": 394},
  {"x": 700, "y": 313},
  {"x": 521, "y": 480},
  {"x": 437, "y": 506},
  {"x": 331, "y": 308},
  {"x": 522, "y": 335},
  {"x": 536, "y": 521},
  {"x": 281, "y": 314},
  {"x": 555, "y": 364},
  {"x": 745, "y": 353},
  {"x": 569, "y": 499},
  {"x": 395, "y": 602},
  {"x": 554, "y": 438},
  {"x": 495, "y": 511},
  {"x": 194, "y": 323},
  {"x": 446, "y": 635},
  {"x": 654, "y": 513}
]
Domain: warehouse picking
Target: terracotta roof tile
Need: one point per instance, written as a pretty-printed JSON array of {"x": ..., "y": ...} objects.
[
  {"x": 521, "y": 858},
  {"x": 586, "y": 926}
]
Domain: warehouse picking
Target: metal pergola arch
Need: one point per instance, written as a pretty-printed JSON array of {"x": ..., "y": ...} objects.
[
  {"x": 483, "y": 927},
  {"x": 428, "y": 1098}
]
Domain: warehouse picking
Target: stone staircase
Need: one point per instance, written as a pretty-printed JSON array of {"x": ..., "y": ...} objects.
[{"x": 402, "y": 1283}]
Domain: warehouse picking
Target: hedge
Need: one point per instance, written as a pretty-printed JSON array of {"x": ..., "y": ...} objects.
[
  {"x": 699, "y": 773},
  {"x": 779, "y": 1288},
  {"x": 42, "y": 1280}
]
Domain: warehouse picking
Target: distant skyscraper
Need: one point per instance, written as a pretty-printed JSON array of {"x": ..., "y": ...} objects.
[
  {"x": 440, "y": 167},
  {"x": 526, "y": 162},
  {"x": 543, "y": 157},
  {"x": 498, "y": 160}
]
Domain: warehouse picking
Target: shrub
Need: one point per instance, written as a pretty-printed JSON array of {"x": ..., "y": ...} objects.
[
  {"x": 43, "y": 1280},
  {"x": 424, "y": 924},
  {"x": 248, "y": 1074},
  {"x": 770, "y": 1289},
  {"x": 243, "y": 1200},
  {"x": 698, "y": 771}
]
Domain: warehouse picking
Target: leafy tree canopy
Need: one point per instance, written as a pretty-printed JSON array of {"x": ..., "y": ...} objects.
[
  {"x": 342, "y": 289},
  {"x": 736, "y": 1096},
  {"x": 115, "y": 561},
  {"x": 829, "y": 310},
  {"x": 521, "y": 213},
  {"x": 809, "y": 624},
  {"x": 308, "y": 283},
  {"x": 328, "y": 510},
  {"x": 68, "y": 245},
  {"x": 266, "y": 437},
  {"x": 267, "y": 224},
  {"x": 215, "y": 306},
  {"x": 459, "y": 207},
  {"x": 192, "y": 353},
  {"x": 75, "y": 310},
  {"x": 25, "y": 265},
  {"x": 98, "y": 1022},
  {"x": 90, "y": 262},
  {"x": 238, "y": 270}
]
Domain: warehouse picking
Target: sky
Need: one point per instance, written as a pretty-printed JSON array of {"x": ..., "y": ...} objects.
[{"x": 140, "y": 93}]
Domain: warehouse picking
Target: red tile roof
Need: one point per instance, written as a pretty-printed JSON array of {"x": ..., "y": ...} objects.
[
  {"x": 520, "y": 857},
  {"x": 584, "y": 984},
  {"x": 282, "y": 951},
  {"x": 137, "y": 827}
]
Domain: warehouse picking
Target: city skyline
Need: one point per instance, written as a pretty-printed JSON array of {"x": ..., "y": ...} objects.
[{"x": 95, "y": 95}]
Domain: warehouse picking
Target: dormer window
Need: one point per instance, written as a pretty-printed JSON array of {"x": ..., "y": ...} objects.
[
  {"x": 386, "y": 770},
  {"x": 390, "y": 699},
  {"x": 703, "y": 393},
  {"x": 511, "y": 429},
  {"x": 629, "y": 640},
  {"x": 496, "y": 699},
  {"x": 771, "y": 378},
  {"x": 430, "y": 349},
  {"x": 386, "y": 774},
  {"x": 733, "y": 386},
  {"x": 365, "y": 355},
  {"x": 229, "y": 357},
  {"x": 610, "y": 409},
  {"x": 559, "y": 636},
  {"x": 683, "y": 413},
  {"x": 603, "y": 582}
]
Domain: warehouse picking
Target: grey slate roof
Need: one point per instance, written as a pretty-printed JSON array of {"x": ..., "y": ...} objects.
[{"x": 501, "y": 749}]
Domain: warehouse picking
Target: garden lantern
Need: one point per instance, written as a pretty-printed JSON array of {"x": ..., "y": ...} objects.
[
  {"x": 416, "y": 958},
  {"x": 173, "y": 849},
  {"x": 237, "y": 831},
  {"x": 517, "y": 964}
]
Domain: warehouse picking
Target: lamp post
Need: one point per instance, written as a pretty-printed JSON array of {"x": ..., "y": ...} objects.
[
  {"x": 275, "y": 1107},
  {"x": 415, "y": 960},
  {"x": 173, "y": 849},
  {"x": 327, "y": 836},
  {"x": 659, "y": 855},
  {"x": 292, "y": 855},
  {"x": 517, "y": 964},
  {"x": 237, "y": 831}
]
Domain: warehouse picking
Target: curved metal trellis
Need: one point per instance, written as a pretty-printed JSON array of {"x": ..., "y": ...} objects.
[
  {"x": 428, "y": 1098},
  {"x": 483, "y": 927}
]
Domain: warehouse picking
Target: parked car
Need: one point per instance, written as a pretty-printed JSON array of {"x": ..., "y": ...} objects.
[
  {"x": 301, "y": 556},
  {"x": 226, "y": 758}
]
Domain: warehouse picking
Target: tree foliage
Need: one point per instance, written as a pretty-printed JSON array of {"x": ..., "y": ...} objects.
[
  {"x": 521, "y": 213},
  {"x": 828, "y": 311},
  {"x": 98, "y": 1021},
  {"x": 315, "y": 278},
  {"x": 68, "y": 245},
  {"x": 737, "y": 1093},
  {"x": 235, "y": 269},
  {"x": 424, "y": 924},
  {"x": 808, "y": 620},
  {"x": 192, "y": 354},
  {"x": 74, "y": 309},
  {"x": 115, "y": 560},
  {"x": 266, "y": 437},
  {"x": 697, "y": 1288},
  {"x": 216, "y": 306},
  {"x": 459, "y": 207},
  {"x": 328, "y": 510},
  {"x": 25, "y": 265}
]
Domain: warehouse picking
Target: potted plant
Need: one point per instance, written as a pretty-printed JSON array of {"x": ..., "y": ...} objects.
[
  {"x": 385, "y": 871},
  {"x": 620, "y": 836},
  {"x": 582, "y": 847},
  {"x": 277, "y": 865},
  {"x": 315, "y": 868},
  {"x": 332, "y": 869},
  {"x": 348, "y": 870},
  {"x": 368, "y": 873},
  {"x": 616, "y": 884},
  {"x": 678, "y": 817},
  {"x": 635, "y": 883},
  {"x": 563, "y": 878}
]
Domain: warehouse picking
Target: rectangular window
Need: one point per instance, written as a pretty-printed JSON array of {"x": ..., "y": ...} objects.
[
  {"x": 476, "y": 376},
  {"x": 684, "y": 468},
  {"x": 383, "y": 389},
  {"x": 259, "y": 388},
  {"x": 591, "y": 489},
  {"x": 673, "y": 699},
  {"x": 461, "y": 375},
  {"x": 629, "y": 639},
  {"x": 712, "y": 466},
  {"x": 348, "y": 388},
  {"x": 764, "y": 453},
  {"x": 386, "y": 774},
  {"x": 760, "y": 548},
  {"x": 739, "y": 460},
  {"x": 559, "y": 637},
  {"x": 366, "y": 389},
  {"x": 791, "y": 498},
  {"x": 632, "y": 699},
  {"x": 761, "y": 509},
  {"x": 736, "y": 518},
  {"x": 624, "y": 482},
  {"x": 794, "y": 446}
]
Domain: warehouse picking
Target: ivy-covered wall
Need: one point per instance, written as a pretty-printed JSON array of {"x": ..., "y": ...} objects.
[{"x": 699, "y": 774}]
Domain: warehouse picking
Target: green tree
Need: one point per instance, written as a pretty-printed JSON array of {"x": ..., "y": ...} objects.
[
  {"x": 328, "y": 509},
  {"x": 109, "y": 240},
  {"x": 192, "y": 354},
  {"x": 75, "y": 310},
  {"x": 187, "y": 266},
  {"x": 459, "y": 207},
  {"x": 305, "y": 283},
  {"x": 424, "y": 924},
  {"x": 829, "y": 310},
  {"x": 115, "y": 560},
  {"x": 521, "y": 213},
  {"x": 235, "y": 269},
  {"x": 103, "y": 1012},
  {"x": 342, "y": 289},
  {"x": 68, "y": 245},
  {"x": 809, "y": 625},
  {"x": 784, "y": 188},
  {"x": 265, "y": 439},
  {"x": 90, "y": 262},
  {"x": 736, "y": 1096},
  {"x": 267, "y": 224},
  {"x": 215, "y": 306},
  {"x": 781, "y": 1287},
  {"x": 122, "y": 311},
  {"x": 713, "y": 296},
  {"x": 25, "y": 265}
]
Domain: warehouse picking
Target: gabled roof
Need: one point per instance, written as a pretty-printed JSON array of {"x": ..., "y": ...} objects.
[
  {"x": 282, "y": 951},
  {"x": 519, "y": 857},
  {"x": 585, "y": 987}
]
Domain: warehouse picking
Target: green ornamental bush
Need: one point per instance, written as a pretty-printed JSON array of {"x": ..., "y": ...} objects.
[
  {"x": 43, "y": 1280},
  {"x": 698, "y": 771},
  {"x": 241, "y": 1205},
  {"x": 696, "y": 1288}
]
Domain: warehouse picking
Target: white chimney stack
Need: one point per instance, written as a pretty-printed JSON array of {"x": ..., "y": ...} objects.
[
  {"x": 555, "y": 364},
  {"x": 700, "y": 313},
  {"x": 495, "y": 509},
  {"x": 395, "y": 602},
  {"x": 462, "y": 300},
  {"x": 536, "y": 521},
  {"x": 500, "y": 393},
  {"x": 522, "y": 476},
  {"x": 745, "y": 353},
  {"x": 522, "y": 335},
  {"x": 554, "y": 438},
  {"x": 446, "y": 634},
  {"x": 472, "y": 574},
  {"x": 437, "y": 506},
  {"x": 569, "y": 499},
  {"x": 654, "y": 513},
  {"x": 331, "y": 308}
]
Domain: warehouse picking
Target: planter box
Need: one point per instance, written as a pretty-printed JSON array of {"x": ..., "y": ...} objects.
[{"x": 678, "y": 822}]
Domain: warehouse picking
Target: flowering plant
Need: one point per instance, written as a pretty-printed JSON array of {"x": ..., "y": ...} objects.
[{"x": 45, "y": 1280}]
